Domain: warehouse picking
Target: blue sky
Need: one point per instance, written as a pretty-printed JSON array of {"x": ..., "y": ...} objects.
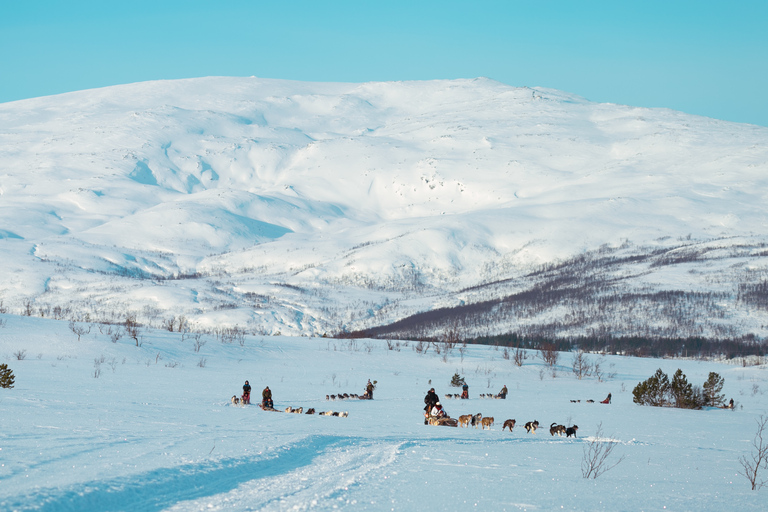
[{"x": 701, "y": 57}]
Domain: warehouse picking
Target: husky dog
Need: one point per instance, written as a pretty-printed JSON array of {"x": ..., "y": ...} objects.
[
  {"x": 475, "y": 421},
  {"x": 571, "y": 431},
  {"x": 556, "y": 429},
  {"x": 487, "y": 422},
  {"x": 464, "y": 420},
  {"x": 235, "y": 400},
  {"x": 310, "y": 411},
  {"x": 531, "y": 426},
  {"x": 510, "y": 424}
]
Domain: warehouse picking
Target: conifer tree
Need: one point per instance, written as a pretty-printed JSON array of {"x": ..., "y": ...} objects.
[
  {"x": 712, "y": 388},
  {"x": 6, "y": 376}
]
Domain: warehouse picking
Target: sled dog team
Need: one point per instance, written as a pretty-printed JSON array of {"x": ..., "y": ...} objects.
[{"x": 267, "y": 403}]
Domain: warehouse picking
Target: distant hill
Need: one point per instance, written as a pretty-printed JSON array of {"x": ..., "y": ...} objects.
[{"x": 314, "y": 208}]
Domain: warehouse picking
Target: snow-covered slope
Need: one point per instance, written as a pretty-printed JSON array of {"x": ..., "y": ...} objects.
[
  {"x": 315, "y": 207},
  {"x": 93, "y": 425}
]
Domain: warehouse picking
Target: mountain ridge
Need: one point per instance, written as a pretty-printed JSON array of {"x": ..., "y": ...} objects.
[{"x": 343, "y": 206}]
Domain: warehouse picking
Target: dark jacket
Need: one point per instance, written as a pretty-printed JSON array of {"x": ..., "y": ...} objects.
[
  {"x": 266, "y": 394},
  {"x": 431, "y": 399},
  {"x": 246, "y": 389}
]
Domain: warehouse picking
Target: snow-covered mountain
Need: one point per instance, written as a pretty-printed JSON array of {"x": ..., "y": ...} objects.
[{"x": 306, "y": 208}]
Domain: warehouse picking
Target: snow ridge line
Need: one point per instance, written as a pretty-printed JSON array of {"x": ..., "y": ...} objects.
[{"x": 161, "y": 488}]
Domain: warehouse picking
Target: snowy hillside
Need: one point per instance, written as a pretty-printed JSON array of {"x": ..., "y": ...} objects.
[
  {"x": 311, "y": 208},
  {"x": 92, "y": 425}
]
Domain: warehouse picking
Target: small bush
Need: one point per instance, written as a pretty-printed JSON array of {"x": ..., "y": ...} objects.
[
  {"x": 6, "y": 376},
  {"x": 457, "y": 380}
]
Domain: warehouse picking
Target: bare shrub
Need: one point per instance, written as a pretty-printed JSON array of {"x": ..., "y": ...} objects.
[
  {"x": 79, "y": 329},
  {"x": 548, "y": 354},
  {"x": 169, "y": 324},
  {"x": 519, "y": 356},
  {"x": 116, "y": 335},
  {"x": 758, "y": 459},
  {"x": 20, "y": 355},
  {"x": 199, "y": 342},
  {"x": 97, "y": 362},
  {"x": 581, "y": 365},
  {"x": 202, "y": 362},
  {"x": 132, "y": 327},
  {"x": 595, "y": 459}
]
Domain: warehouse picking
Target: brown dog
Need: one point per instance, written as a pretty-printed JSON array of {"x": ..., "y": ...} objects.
[
  {"x": 508, "y": 423},
  {"x": 487, "y": 422},
  {"x": 464, "y": 420}
]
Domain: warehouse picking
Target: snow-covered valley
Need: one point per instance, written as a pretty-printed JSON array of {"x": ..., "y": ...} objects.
[{"x": 93, "y": 424}]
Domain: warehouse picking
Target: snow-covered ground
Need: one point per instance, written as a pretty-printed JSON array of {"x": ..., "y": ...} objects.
[
  {"x": 97, "y": 425},
  {"x": 312, "y": 208}
]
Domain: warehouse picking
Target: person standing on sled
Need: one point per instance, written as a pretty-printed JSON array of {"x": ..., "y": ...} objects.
[
  {"x": 246, "y": 393},
  {"x": 431, "y": 399},
  {"x": 503, "y": 393},
  {"x": 465, "y": 392},
  {"x": 369, "y": 390},
  {"x": 266, "y": 399}
]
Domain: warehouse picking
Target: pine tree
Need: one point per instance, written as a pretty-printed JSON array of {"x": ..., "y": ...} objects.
[
  {"x": 712, "y": 388},
  {"x": 653, "y": 391},
  {"x": 682, "y": 391},
  {"x": 6, "y": 376},
  {"x": 457, "y": 380}
]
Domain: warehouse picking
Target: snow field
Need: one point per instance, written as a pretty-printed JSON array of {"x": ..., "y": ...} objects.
[{"x": 158, "y": 431}]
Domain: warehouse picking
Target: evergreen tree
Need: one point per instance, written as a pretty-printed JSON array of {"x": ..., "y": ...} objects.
[
  {"x": 457, "y": 380},
  {"x": 653, "y": 391},
  {"x": 682, "y": 391},
  {"x": 712, "y": 388},
  {"x": 6, "y": 376}
]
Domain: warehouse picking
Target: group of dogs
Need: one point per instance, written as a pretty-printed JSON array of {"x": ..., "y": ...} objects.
[
  {"x": 299, "y": 410},
  {"x": 487, "y": 421},
  {"x": 347, "y": 396},
  {"x": 482, "y": 395}
]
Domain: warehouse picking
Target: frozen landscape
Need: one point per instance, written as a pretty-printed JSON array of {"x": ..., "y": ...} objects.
[
  {"x": 97, "y": 425},
  {"x": 162, "y": 242},
  {"x": 321, "y": 208}
]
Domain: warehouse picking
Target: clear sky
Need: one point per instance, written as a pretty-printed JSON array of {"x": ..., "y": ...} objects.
[{"x": 701, "y": 57}]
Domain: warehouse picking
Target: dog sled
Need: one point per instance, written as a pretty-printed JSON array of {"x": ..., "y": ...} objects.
[{"x": 444, "y": 422}]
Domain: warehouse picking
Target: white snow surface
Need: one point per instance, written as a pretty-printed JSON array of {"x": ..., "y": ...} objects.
[
  {"x": 155, "y": 429},
  {"x": 307, "y": 208}
]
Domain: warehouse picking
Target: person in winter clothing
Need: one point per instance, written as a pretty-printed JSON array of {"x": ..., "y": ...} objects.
[
  {"x": 465, "y": 391},
  {"x": 503, "y": 392},
  {"x": 369, "y": 390},
  {"x": 607, "y": 399},
  {"x": 266, "y": 398},
  {"x": 430, "y": 400},
  {"x": 246, "y": 393},
  {"x": 438, "y": 411}
]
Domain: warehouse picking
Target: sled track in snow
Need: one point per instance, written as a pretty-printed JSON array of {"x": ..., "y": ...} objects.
[{"x": 295, "y": 477}]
